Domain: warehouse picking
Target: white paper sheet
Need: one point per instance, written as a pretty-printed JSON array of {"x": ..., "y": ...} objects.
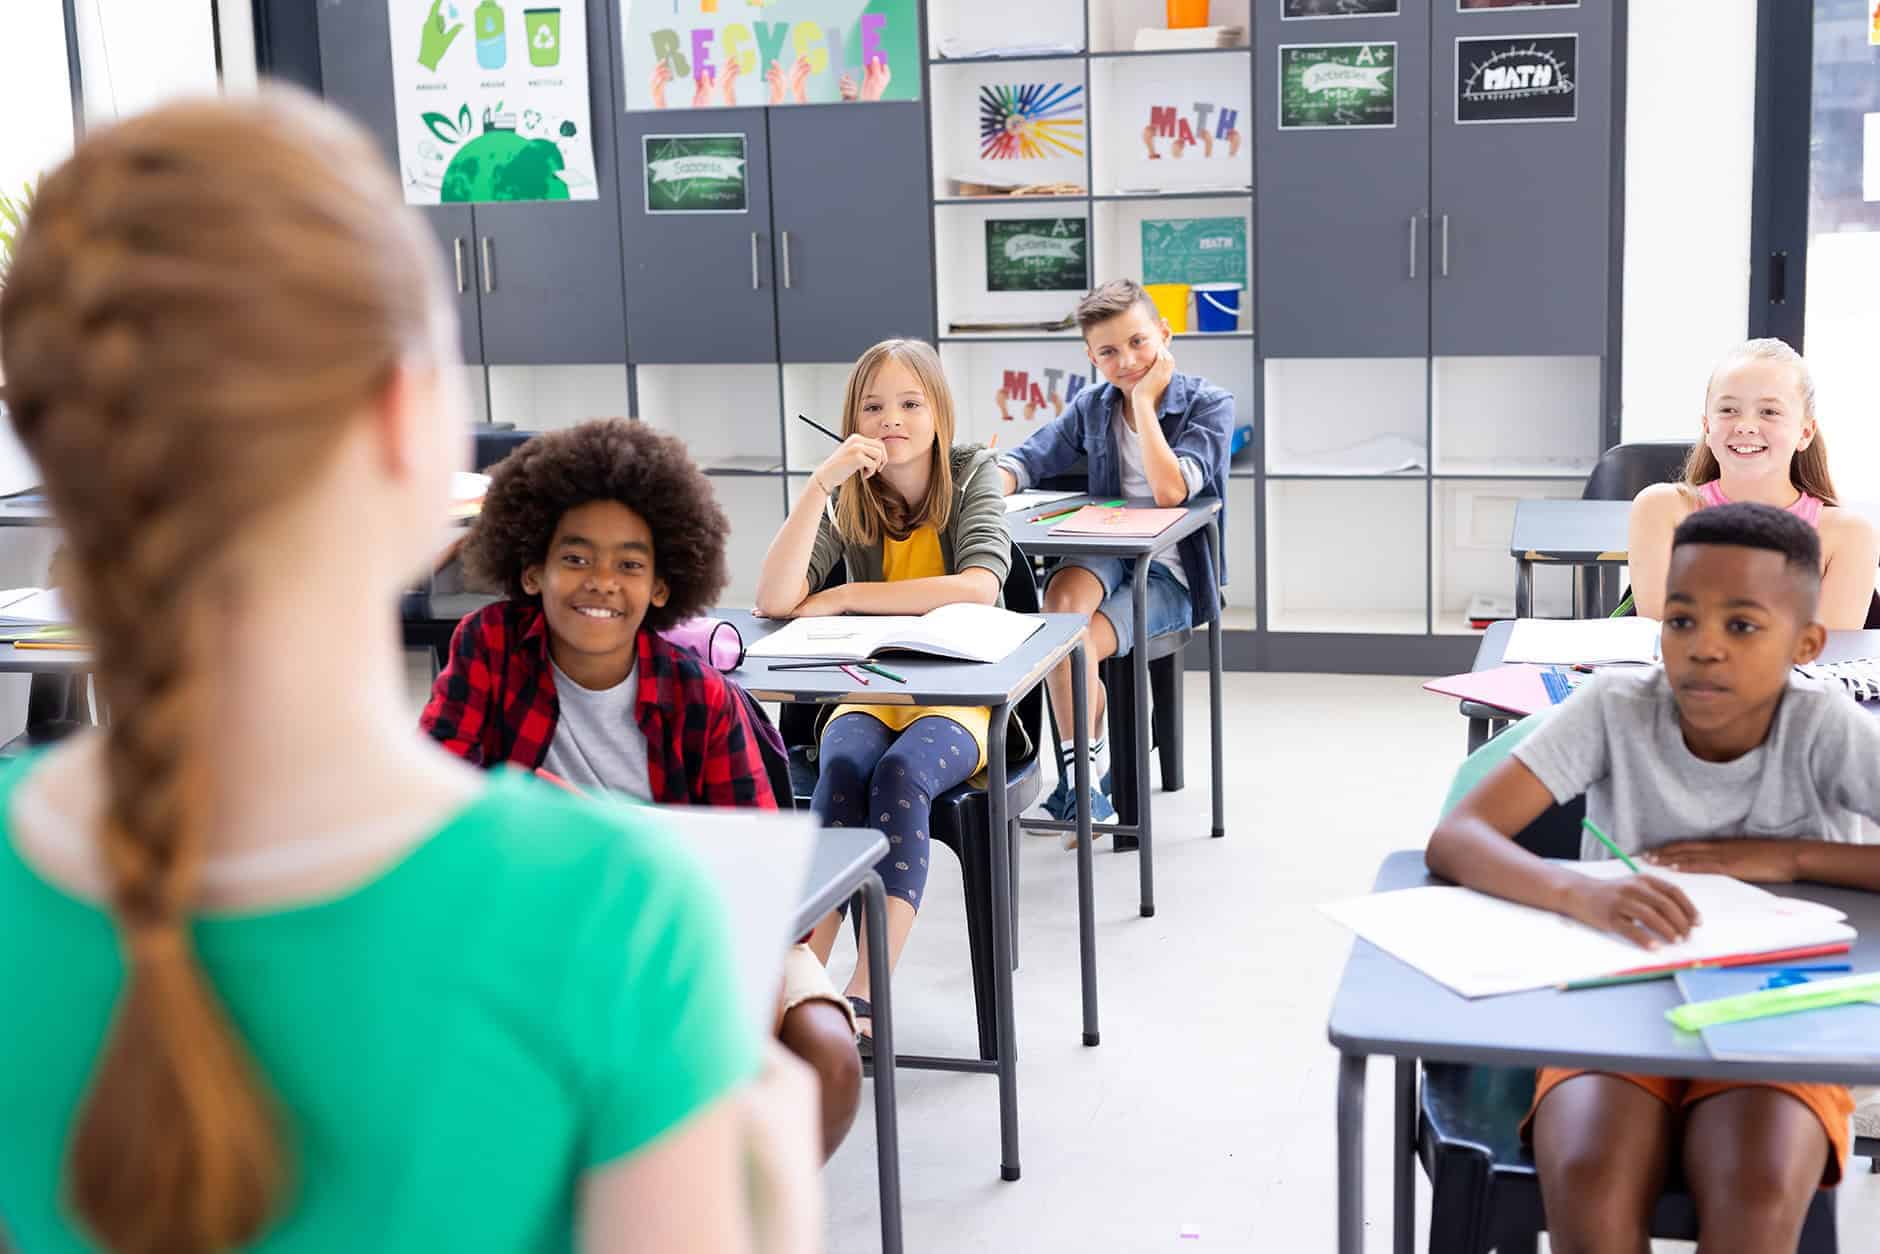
[{"x": 1594, "y": 641}]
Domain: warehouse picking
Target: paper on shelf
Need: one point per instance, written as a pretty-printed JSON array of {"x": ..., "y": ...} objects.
[{"x": 1482, "y": 946}]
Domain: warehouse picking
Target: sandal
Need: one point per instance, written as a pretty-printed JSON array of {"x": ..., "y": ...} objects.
[{"x": 864, "y": 1041}]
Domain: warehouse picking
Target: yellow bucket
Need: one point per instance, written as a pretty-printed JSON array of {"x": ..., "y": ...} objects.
[{"x": 1172, "y": 300}]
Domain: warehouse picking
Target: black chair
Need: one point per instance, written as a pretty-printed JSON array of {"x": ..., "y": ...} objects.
[
  {"x": 1485, "y": 1192},
  {"x": 427, "y": 614},
  {"x": 1624, "y": 471},
  {"x": 961, "y": 817}
]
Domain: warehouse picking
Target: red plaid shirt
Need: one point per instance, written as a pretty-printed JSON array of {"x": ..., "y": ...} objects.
[{"x": 495, "y": 702}]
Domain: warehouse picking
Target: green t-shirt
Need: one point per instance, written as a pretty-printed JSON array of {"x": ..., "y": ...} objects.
[{"x": 543, "y": 986}]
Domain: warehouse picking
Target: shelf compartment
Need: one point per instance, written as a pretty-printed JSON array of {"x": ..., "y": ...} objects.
[
  {"x": 1149, "y": 103},
  {"x": 1472, "y": 521},
  {"x": 1516, "y": 416},
  {"x": 1347, "y": 557},
  {"x": 1043, "y": 142},
  {"x": 755, "y": 506},
  {"x": 1114, "y": 23},
  {"x": 1346, "y": 417},
  {"x": 977, "y": 371},
  {"x": 965, "y": 294},
  {"x": 1241, "y": 541},
  {"x": 1120, "y": 250},
  {"x": 726, "y": 414},
  {"x": 1033, "y": 23}
]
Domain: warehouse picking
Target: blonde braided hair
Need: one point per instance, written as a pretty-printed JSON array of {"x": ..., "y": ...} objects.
[{"x": 203, "y": 299}]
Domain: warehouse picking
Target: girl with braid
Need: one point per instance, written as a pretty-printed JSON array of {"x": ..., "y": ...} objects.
[{"x": 295, "y": 978}]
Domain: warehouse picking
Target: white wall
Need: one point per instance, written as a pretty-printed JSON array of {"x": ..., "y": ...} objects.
[
  {"x": 1687, "y": 204},
  {"x": 35, "y": 92}
]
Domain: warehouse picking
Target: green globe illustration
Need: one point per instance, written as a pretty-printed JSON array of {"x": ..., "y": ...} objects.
[{"x": 501, "y": 165}]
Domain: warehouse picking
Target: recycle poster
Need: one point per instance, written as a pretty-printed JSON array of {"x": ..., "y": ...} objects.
[{"x": 492, "y": 100}]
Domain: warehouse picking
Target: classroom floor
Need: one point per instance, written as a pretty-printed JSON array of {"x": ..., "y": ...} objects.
[{"x": 1208, "y": 1107}]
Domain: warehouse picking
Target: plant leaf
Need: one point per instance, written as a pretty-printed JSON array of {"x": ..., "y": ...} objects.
[
  {"x": 463, "y": 119},
  {"x": 440, "y": 126}
]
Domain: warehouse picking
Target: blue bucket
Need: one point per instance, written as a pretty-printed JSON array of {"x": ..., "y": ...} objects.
[{"x": 1217, "y": 307}]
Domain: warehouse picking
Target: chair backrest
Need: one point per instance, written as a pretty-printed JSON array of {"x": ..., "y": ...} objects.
[
  {"x": 1556, "y": 833},
  {"x": 495, "y": 443},
  {"x": 1625, "y": 470}
]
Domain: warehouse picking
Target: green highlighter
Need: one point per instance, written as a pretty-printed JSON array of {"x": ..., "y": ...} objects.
[{"x": 1766, "y": 1003}]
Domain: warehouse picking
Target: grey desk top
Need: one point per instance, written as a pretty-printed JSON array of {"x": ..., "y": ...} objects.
[
  {"x": 1386, "y": 1007},
  {"x": 1035, "y": 538},
  {"x": 930, "y": 681},
  {"x": 26, "y": 511},
  {"x": 842, "y": 858},
  {"x": 1570, "y": 531},
  {"x": 1842, "y": 646},
  {"x": 44, "y": 661}
]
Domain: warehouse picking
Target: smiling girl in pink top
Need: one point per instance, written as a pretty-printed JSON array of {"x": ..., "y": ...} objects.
[{"x": 1760, "y": 441}]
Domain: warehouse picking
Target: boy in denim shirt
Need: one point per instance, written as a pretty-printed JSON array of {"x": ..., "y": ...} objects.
[{"x": 1147, "y": 432}]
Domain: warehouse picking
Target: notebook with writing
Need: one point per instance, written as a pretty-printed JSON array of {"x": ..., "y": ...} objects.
[
  {"x": 1098, "y": 520},
  {"x": 963, "y": 632}
]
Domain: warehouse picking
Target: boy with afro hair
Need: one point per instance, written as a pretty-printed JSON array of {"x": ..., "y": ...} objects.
[{"x": 602, "y": 536}]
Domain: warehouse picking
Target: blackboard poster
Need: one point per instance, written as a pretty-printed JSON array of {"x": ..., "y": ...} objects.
[
  {"x": 1194, "y": 250},
  {"x": 1328, "y": 85},
  {"x": 1338, "y": 8},
  {"x": 1530, "y": 78},
  {"x": 696, "y": 174},
  {"x": 1037, "y": 254}
]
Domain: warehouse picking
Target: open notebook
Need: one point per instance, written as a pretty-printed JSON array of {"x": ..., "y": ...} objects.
[
  {"x": 1481, "y": 946},
  {"x": 967, "y": 633},
  {"x": 1860, "y": 676}
]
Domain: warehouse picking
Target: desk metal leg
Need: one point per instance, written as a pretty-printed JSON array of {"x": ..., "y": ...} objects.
[
  {"x": 1478, "y": 733},
  {"x": 1139, "y": 665},
  {"x": 887, "y": 1133},
  {"x": 1002, "y": 939},
  {"x": 1523, "y": 588},
  {"x": 1403, "y": 1160},
  {"x": 1351, "y": 1153},
  {"x": 1216, "y": 735},
  {"x": 1086, "y": 887}
]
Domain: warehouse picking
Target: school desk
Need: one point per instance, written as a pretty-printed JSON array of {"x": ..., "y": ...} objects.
[
  {"x": 842, "y": 866},
  {"x": 1566, "y": 533},
  {"x": 999, "y": 686},
  {"x": 1036, "y": 539},
  {"x": 1387, "y": 1007},
  {"x": 1486, "y": 720}
]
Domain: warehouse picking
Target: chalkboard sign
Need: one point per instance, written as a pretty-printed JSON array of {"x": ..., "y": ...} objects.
[
  {"x": 1194, "y": 250},
  {"x": 1037, "y": 254}
]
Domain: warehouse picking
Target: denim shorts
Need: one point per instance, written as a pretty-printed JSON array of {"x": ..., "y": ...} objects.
[{"x": 1169, "y": 606}]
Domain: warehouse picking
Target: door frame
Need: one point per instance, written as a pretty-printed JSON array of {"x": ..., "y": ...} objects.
[{"x": 1778, "y": 272}]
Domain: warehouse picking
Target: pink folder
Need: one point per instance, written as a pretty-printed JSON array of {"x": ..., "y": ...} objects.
[
  {"x": 1099, "y": 520},
  {"x": 1515, "y": 688}
]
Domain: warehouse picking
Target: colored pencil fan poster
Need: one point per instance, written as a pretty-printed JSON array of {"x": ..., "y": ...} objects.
[
  {"x": 1532, "y": 78},
  {"x": 716, "y": 54},
  {"x": 1337, "y": 85},
  {"x": 1194, "y": 250},
  {"x": 1037, "y": 254},
  {"x": 696, "y": 174},
  {"x": 1031, "y": 121},
  {"x": 492, "y": 100}
]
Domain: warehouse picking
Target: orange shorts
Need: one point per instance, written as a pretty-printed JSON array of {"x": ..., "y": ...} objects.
[{"x": 1829, "y": 1103}]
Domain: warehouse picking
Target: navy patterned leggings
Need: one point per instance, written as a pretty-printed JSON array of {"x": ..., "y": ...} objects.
[{"x": 874, "y": 776}]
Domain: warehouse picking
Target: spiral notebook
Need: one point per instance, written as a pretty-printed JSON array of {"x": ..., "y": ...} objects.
[{"x": 1860, "y": 676}]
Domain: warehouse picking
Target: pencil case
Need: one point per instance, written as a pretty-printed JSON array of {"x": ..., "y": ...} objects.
[{"x": 717, "y": 643}]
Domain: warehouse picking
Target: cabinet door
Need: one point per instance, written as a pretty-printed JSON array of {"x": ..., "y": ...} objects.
[
  {"x": 356, "y": 75},
  {"x": 1527, "y": 202},
  {"x": 849, "y": 188},
  {"x": 699, "y": 275},
  {"x": 550, "y": 273},
  {"x": 1342, "y": 188}
]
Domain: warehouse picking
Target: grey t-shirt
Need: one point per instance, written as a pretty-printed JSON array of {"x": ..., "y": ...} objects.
[
  {"x": 1617, "y": 740},
  {"x": 598, "y": 745},
  {"x": 1135, "y": 474}
]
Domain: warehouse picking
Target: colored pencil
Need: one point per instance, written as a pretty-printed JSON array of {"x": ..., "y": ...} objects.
[
  {"x": 51, "y": 644},
  {"x": 825, "y": 430},
  {"x": 854, "y": 674},
  {"x": 883, "y": 671},
  {"x": 1606, "y": 840},
  {"x": 1639, "y": 975}
]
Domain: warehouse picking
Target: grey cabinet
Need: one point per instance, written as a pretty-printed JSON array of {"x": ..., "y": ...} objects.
[
  {"x": 1343, "y": 242},
  {"x": 854, "y": 247},
  {"x": 535, "y": 284},
  {"x": 1526, "y": 205},
  {"x": 699, "y": 284}
]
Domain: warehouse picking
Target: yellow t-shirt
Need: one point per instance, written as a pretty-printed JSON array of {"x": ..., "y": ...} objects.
[{"x": 919, "y": 557}]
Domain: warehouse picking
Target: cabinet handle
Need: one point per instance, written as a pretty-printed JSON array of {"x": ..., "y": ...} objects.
[
  {"x": 1779, "y": 277},
  {"x": 1445, "y": 245},
  {"x": 786, "y": 259},
  {"x": 489, "y": 266},
  {"x": 456, "y": 255},
  {"x": 756, "y": 282},
  {"x": 1413, "y": 245}
]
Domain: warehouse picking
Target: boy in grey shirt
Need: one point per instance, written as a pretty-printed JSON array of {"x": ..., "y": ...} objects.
[{"x": 1726, "y": 762}]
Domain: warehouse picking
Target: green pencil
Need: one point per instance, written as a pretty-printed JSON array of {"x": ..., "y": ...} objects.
[
  {"x": 1606, "y": 840},
  {"x": 883, "y": 671}
]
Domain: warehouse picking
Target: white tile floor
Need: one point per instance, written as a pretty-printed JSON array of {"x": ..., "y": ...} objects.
[{"x": 1208, "y": 1107}]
